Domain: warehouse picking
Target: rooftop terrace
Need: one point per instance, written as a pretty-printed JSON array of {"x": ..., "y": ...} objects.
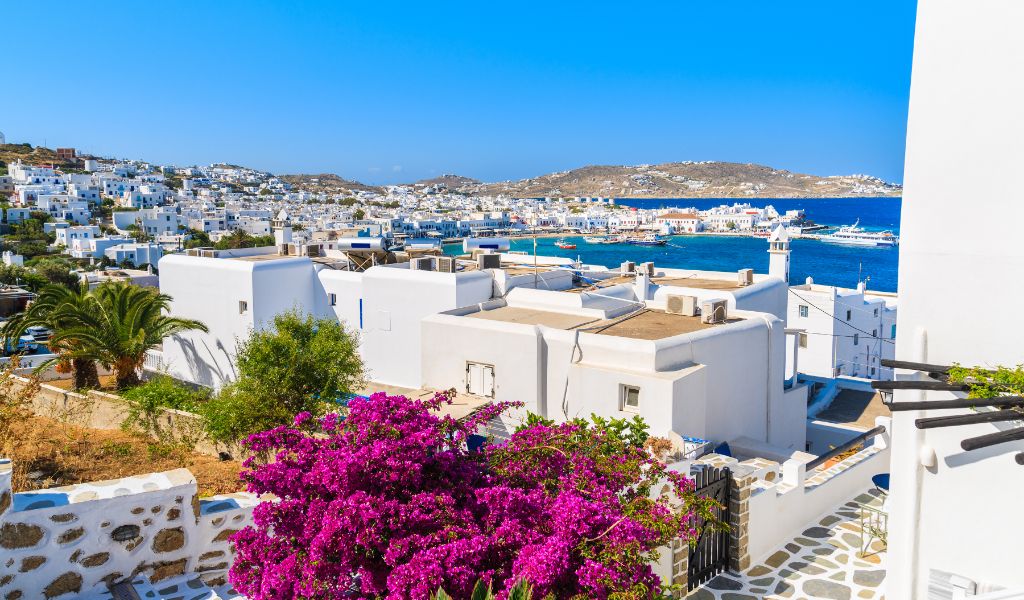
[{"x": 646, "y": 324}]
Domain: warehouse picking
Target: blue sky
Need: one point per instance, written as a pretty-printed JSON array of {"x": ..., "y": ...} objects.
[{"x": 395, "y": 91}]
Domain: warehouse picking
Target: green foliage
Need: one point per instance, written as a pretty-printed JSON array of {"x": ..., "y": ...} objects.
[
  {"x": 146, "y": 401},
  {"x": 299, "y": 364},
  {"x": 989, "y": 383},
  {"x": 482, "y": 591},
  {"x": 240, "y": 239},
  {"x": 115, "y": 325},
  {"x": 348, "y": 202},
  {"x": 359, "y": 214},
  {"x": 197, "y": 239},
  {"x": 631, "y": 431},
  {"x": 56, "y": 271}
]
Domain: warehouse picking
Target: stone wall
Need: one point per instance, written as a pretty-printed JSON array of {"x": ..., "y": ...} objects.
[
  {"x": 100, "y": 410},
  {"x": 74, "y": 539}
]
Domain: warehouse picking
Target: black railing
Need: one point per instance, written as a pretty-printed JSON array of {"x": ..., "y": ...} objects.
[{"x": 817, "y": 462}]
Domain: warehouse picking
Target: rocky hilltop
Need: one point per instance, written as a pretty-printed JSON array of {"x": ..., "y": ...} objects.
[
  {"x": 688, "y": 180},
  {"x": 669, "y": 180}
]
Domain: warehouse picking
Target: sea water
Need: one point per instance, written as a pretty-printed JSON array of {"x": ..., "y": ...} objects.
[{"x": 830, "y": 264}]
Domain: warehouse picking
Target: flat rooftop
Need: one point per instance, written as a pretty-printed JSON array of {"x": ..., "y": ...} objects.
[
  {"x": 690, "y": 282},
  {"x": 647, "y": 324}
]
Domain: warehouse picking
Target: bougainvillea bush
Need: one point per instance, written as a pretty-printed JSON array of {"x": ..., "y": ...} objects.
[{"x": 388, "y": 502}]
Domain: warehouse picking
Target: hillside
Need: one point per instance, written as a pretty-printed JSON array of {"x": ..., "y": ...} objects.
[
  {"x": 327, "y": 182},
  {"x": 452, "y": 182},
  {"x": 687, "y": 180},
  {"x": 10, "y": 153}
]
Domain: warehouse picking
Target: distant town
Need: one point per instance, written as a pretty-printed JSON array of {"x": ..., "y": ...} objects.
[{"x": 130, "y": 213}]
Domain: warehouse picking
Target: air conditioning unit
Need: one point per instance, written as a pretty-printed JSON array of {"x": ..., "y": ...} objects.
[
  {"x": 677, "y": 304},
  {"x": 627, "y": 267},
  {"x": 489, "y": 261},
  {"x": 746, "y": 277},
  {"x": 445, "y": 264},
  {"x": 425, "y": 263},
  {"x": 714, "y": 311},
  {"x": 647, "y": 267}
]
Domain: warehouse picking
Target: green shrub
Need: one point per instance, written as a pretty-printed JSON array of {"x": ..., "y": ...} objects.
[
  {"x": 146, "y": 401},
  {"x": 300, "y": 364}
]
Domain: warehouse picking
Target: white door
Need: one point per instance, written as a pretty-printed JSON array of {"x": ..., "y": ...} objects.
[
  {"x": 488, "y": 381},
  {"x": 480, "y": 379},
  {"x": 474, "y": 378}
]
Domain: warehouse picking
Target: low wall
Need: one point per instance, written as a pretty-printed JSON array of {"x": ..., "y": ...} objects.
[
  {"x": 780, "y": 509},
  {"x": 100, "y": 410},
  {"x": 77, "y": 539}
]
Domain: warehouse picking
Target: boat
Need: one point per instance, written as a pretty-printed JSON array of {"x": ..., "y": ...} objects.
[
  {"x": 648, "y": 240},
  {"x": 564, "y": 245},
  {"x": 852, "y": 235},
  {"x": 604, "y": 239}
]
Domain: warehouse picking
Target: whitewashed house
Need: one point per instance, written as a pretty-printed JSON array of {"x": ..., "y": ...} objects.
[{"x": 953, "y": 527}]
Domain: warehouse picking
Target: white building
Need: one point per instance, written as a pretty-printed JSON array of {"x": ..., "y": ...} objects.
[
  {"x": 953, "y": 511},
  {"x": 556, "y": 337},
  {"x": 67, "y": 235},
  {"x": 843, "y": 332},
  {"x": 138, "y": 254}
]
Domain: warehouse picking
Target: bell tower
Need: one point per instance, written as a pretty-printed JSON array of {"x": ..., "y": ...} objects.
[{"x": 778, "y": 254}]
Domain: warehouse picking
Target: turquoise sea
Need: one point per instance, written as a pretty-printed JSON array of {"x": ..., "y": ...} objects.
[{"x": 827, "y": 263}]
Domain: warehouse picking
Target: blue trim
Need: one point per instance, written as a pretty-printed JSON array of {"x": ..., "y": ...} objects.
[{"x": 360, "y": 313}]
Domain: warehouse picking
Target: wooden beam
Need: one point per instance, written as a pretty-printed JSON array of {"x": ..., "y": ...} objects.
[
  {"x": 915, "y": 366},
  {"x": 1002, "y": 401},
  {"x": 931, "y": 386},
  {"x": 955, "y": 420},
  {"x": 992, "y": 439}
]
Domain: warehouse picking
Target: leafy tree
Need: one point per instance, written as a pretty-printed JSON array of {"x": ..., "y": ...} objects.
[
  {"x": 300, "y": 363},
  {"x": 197, "y": 239},
  {"x": 47, "y": 310},
  {"x": 359, "y": 214},
  {"x": 241, "y": 239},
  {"x": 56, "y": 271},
  {"x": 116, "y": 325},
  {"x": 389, "y": 502}
]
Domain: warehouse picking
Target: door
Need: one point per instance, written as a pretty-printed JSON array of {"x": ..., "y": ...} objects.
[{"x": 480, "y": 379}]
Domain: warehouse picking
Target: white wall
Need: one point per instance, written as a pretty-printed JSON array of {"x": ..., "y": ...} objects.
[
  {"x": 963, "y": 150},
  {"x": 395, "y": 300}
]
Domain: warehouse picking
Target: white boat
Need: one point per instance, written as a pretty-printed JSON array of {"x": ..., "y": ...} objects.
[{"x": 852, "y": 235}]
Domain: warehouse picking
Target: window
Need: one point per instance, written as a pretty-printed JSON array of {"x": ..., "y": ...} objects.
[
  {"x": 893, "y": 334},
  {"x": 876, "y": 312},
  {"x": 856, "y": 339},
  {"x": 872, "y": 371},
  {"x": 629, "y": 398},
  {"x": 874, "y": 333},
  {"x": 803, "y": 310},
  {"x": 243, "y": 307},
  {"x": 802, "y": 339},
  {"x": 333, "y": 298},
  {"x": 849, "y": 313}
]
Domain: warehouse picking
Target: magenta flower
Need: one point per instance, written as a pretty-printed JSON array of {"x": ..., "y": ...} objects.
[{"x": 389, "y": 503}]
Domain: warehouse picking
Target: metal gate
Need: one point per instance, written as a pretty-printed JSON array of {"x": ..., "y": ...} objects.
[{"x": 710, "y": 556}]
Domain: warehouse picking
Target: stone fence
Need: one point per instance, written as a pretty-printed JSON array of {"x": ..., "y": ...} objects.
[
  {"x": 82, "y": 538},
  {"x": 100, "y": 410}
]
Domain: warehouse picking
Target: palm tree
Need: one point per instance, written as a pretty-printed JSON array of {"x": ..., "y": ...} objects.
[
  {"x": 117, "y": 324},
  {"x": 43, "y": 312}
]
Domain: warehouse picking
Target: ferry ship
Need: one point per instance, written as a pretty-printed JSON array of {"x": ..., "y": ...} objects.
[
  {"x": 648, "y": 240},
  {"x": 852, "y": 235}
]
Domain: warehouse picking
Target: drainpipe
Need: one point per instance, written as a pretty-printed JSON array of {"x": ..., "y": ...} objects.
[{"x": 768, "y": 382}]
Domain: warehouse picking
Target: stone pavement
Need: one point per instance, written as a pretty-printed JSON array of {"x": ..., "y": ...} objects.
[{"x": 822, "y": 562}]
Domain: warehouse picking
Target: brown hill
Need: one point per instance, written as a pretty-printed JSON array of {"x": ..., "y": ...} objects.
[
  {"x": 327, "y": 182},
  {"x": 688, "y": 180}
]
